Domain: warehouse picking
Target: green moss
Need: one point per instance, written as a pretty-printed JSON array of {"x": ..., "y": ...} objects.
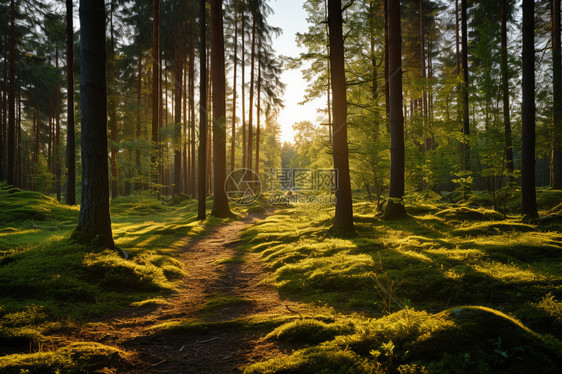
[{"x": 308, "y": 331}]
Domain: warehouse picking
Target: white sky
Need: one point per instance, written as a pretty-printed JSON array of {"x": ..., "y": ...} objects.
[{"x": 291, "y": 17}]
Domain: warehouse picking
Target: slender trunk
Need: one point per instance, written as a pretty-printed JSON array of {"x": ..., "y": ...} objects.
[
  {"x": 423, "y": 76},
  {"x": 465, "y": 117},
  {"x": 11, "y": 99},
  {"x": 258, "y": 115},
  {"x": 329, "y": 86},
  {"x": 177, "y": 119},
  {"x": 70, "y": 138},
  {"x": 138, "y": 121},
  {"x": 37, "y": 129},
  {"x": 220, "y": 201},
  {"x": 556, "y": 159},
  {"x": 386, "y": 67},
  {"x": 192, "y": 107},
  {"x": 344, "y": 209},
  {"x": 94, "y": 224},
  {"x": 234, "y": 97},
  {"x": 505, "y": 91},
  {"x": 186, "y": 130},
  {"x": 243, "y": 89},
  {"x": 57, "y": 131},
  {"x": 528, "y": 193},
  {"x": 251, "y": 102},
  {"x": 112, "y": 104},
  {"x": 395, "y": 208},
  {"x": 155, "y": 93},
  {"x": 201, "y": 211}
]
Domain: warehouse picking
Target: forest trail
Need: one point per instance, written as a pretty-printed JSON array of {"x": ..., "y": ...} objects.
[{"x": 223, "y": 284}]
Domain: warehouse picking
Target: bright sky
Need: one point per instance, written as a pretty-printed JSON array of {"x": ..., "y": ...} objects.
[{"x": 291, "y": 17}]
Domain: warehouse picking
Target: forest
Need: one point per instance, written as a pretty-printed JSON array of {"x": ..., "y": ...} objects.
[{"x": 155, "y": 218}]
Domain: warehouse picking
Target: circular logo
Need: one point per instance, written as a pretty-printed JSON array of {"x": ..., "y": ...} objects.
[{"x": 242, "y": 186}]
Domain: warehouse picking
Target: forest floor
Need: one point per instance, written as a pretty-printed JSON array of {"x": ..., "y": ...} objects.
[
  {"x": 221, "y": 287},
  {"x": 455, "y": 287}
]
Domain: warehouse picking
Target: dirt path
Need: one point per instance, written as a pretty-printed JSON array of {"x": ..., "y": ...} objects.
[{"x": 218, "y": 272}]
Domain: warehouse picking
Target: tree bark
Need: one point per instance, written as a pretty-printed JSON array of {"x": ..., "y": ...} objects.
[
  {"x": 505, "y": 91},
  {"x": 466, "y": 116},
  {"x": 57, "y": 132},
  {"x": 155, "y": 94},
  {"x": 343, "y": 221},
  {"x": 556, "y": 159},
  {"x": 394, "y": 208},
  {"x": 12, "y": 99},
  {"x": 218, "y": 81},
  {"x": 234, "y": 87},
  {"x": 251, "y": 102},
  {"x": 70, "y": 137},
  {"x": 258, "y": 116},
  {"x": 112, "y": 108},
  {"x": 202, "y": 190},
  {"x": 528, "y": 193},
  {"x": 94, "y": 224},
  {"x": 138, "y": 120},
  {"x": 192, "y": 107}
]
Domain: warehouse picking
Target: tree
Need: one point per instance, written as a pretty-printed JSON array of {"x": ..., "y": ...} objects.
[
  {"x": 218, "y": 81},
  {"x": 528, "y": 193},
  {"x": 556, "y": 158},
  {"x": 155, "y": 90},
  {"x": 343, "y": 220},
  {"x": 70, "y": 138},
  {"x": 505, "y": 89},
  {"x": 394, "y": 208},
  {"x": 464, "y": 87},
  {"x": 94, "y": 224},
  {"x": 12, "y": 99},
  {"x": 201, "y": 210}
]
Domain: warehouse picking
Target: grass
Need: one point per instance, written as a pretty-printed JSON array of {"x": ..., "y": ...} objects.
[
  {"x": 394, "y": 287},
  {"x": 49, "y": 283}
]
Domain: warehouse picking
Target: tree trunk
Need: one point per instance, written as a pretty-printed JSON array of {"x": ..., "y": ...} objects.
[
  {"x": 243, "y": 88},
  {"x": 556, "y": 159},
  {"x": 202, "y": 190},
  {"x": 465, "y": 117},
  {"x": 94, "y": 224},
  {"x": 505, "y": 91},
  {"x": 220, "y": 202},
  {"x": 386, "y": 67},
  {"x": 177, "y": 120},
  {"x": 528, "y": 193},
  {"x": 57, "y": 133},
  {"x": 155, "y": 94},
  {"x": 234, "y": 87},
  {"x": 12, "y": 99},
  {"x": 251, "y": 102},
  {"x": 258, "y": 116},
  {"x": 138, "y": 121},
  {"x": 394, "y": 208},
  {"x": 70, "y": 138},
  {"x": 192, "y": 107},
  {"x": 112, "y": 104},
  {"x": 343, "y": 221}
]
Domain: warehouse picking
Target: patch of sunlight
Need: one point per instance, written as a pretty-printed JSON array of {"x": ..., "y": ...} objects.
[
  {"x": 458, "y": 254},
  {"x": 414, "y": 254},
  {"x": 508, "y": 272}
]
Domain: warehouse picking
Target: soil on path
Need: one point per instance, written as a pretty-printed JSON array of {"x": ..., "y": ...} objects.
[{"x": 216, "y": 270}]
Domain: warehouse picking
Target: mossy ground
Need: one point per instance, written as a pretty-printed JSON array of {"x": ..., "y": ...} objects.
[
  {"x": 453, "y": 288},
  {"x": 394, "y": 287}
]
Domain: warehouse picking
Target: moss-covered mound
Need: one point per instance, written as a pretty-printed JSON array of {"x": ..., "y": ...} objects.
[{"x": 469, "y": 214}]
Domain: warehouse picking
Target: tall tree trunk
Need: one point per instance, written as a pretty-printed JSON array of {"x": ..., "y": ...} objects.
[
  {"x": 343, "y": 221},
  {"x": 329, "y": 83},
  {"x": 394, "y": 208},
  {"x": 423, "y": 76},
  {"x": 94, "y": 224},
  {"x": 528, "y": 193},
  {"x": 220, "y": 201},
  {"x": 12, "y": 99},
  {"x": 234, "y": 87},
  {"x": 258, "y": 114},
  {"x": 556, "y": 159},
  {"x": 243, "y": 88},
  {"x": 386, "y": 67},
  {"x": 177, "y": 119},
  {"x": 201, "y": 189},
  {"x": 192, "y": 188},
  {"x": 155, "y": 94},
  {"x": 251, "y": 102},
  {"x": 465, "y": 117},
  {"x": 3, "y": 121},
  {"x": 70, "y": 138},
  {"x": 138, "y": 121},
  {"x": 112, "y": 104},
  {"x": 505, "y": 91},
  {"x": 57, "y": 132},
  {"x": 37, "y": 129}
]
